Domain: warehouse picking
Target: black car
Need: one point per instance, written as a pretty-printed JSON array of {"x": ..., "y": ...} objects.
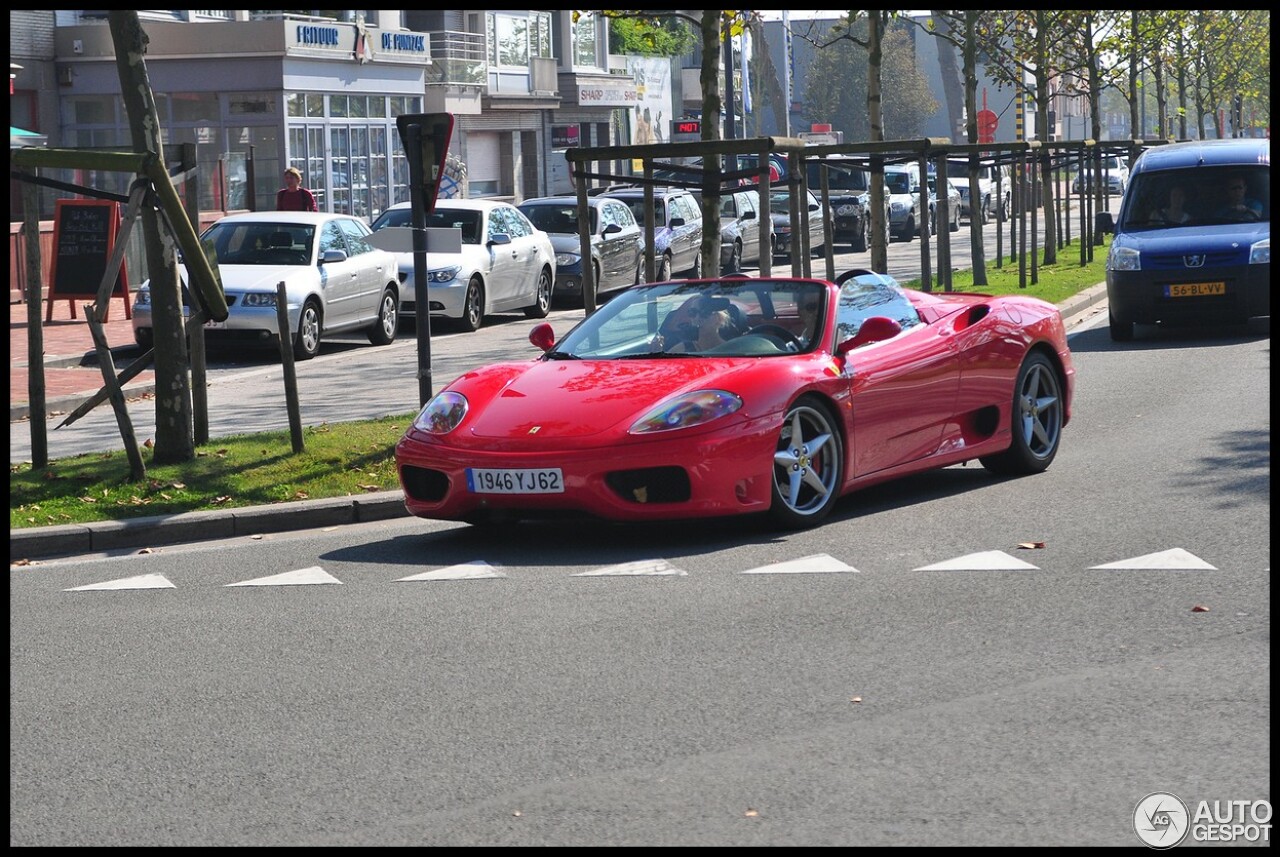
[
  {"x": 849, "y": 200},
  {"x": 617, "y": 243}
]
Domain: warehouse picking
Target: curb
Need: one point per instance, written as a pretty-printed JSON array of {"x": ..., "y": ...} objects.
[
  {"x": 44, "y": 542},
  {"x": 158, "y": 530}
]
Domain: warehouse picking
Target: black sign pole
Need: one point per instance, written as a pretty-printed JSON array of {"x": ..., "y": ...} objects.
[{"x": 421, "y": 301}]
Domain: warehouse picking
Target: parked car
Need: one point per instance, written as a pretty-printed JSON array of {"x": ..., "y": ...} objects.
[
  {"x": 506, "y": 262},
  {"x": 902, "y": 186},
  {"x": 677, "y": 232},
  {"x": 953, "y": 206},
  {"x": 740, "y": 230},
  {"x": 617, "y": 246},
  {"x": 995, "y": 188},
  {"x": 826, "y": 388},
  {"x": 780, "y": 210},
  {"x": 1209, "y": 263},
  {"x": 671, "y": 171},
  {"x": 1115, "y": 175},
  {"x": 849, "y": 200},
  {"x": 334, "y": 281}
]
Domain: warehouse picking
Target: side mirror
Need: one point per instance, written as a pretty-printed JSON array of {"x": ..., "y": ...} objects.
[
  {"x": 499, "y": 238},
  {"x": 875, "y": 329},
  {"x": 676, "y": 221},
  {"x": 748, "y": 215},
  {"x": 333, "y": 256},
  {"x": 1104, "y": 222},
  {"x": 543, "y": 337},
  {"x": 612, "y": 229}
]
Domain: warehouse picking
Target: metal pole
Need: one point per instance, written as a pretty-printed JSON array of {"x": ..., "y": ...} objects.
[{"x": 422, "y": 305}]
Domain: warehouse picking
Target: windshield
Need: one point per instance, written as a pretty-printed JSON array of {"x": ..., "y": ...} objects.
[
  {"x": 839, "y": 178},
  {"x": 559, "y": 218},
  {"x": 637, "y": 210},
  {"x": 897, "y": 182},
  {"x": 1202, "y": 196},
  {"x": 442, "y": 218},
  {"x": 731, "y": 317},
  {"x": 249, "y": 243}
]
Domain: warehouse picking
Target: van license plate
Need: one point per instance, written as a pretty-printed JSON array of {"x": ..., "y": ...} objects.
[{"x": 1194, "y": 290}]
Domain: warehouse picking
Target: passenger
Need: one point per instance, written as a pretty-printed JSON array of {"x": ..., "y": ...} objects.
[
  {"x": 1175, "y": 212},
  {"x": 701, "y": 323},
  {"x": 809, "y": 310}
]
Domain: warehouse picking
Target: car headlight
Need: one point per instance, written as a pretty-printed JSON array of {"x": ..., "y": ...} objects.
[
  {"x": 142, "y": 297},
  {"x": 444, "y": 275},
  {"x": 687, "y": 410},
  {"x": 259, "y": 299},
  {"x": 1260, "y": 253},
  {"x": 442, "y": 414},
  {"x": 567, "y": 259},
  {"x": 898, "y": 207},
  {"x": 1123, "y": 259}
]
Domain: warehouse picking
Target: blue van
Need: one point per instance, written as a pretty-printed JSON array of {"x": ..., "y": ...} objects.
[{"x": 1192, "y": 240}]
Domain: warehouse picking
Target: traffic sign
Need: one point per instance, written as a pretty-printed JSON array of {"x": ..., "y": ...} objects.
[{"x": 988, "y": 121}]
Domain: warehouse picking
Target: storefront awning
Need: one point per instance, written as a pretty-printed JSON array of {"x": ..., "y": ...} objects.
[{"x": 19, "y": 137}]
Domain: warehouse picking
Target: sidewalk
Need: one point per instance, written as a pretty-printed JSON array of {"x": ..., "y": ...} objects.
[
  {"x": 71, "y": 369},
  {"x": 67, "y": 342}
]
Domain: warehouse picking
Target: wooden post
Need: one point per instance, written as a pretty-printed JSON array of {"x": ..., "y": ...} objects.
[
  {"x": 195, "y": 332},
  {"x": 286, "y": 361},
  {"x": 35, "y": 332},
  {"x": 137, "y": 470}
]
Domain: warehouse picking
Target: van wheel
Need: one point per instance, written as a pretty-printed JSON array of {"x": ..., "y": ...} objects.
[{"x": 1121, "y": 328}]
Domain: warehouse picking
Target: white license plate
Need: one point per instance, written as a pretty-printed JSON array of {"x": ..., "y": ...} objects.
[
  {"x": 215, "y": 325},
  {"x": 543, "y": 480}
]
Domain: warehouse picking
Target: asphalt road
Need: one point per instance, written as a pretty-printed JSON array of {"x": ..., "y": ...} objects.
[{"x": 934, "y": 684}]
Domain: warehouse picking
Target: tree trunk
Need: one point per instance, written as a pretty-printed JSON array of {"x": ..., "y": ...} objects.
[
  {"x": 174, "y": 428},
  {"x": 875, "y": 116},
  {"x": 709, "y": 78}
]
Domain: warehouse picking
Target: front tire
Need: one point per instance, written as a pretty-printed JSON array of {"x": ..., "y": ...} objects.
[
  {"x": 472, "y": 307},
  {"x": 306, "y": 343},
  {"x": 387, "y": 324},
  {"x": 862, "y": 240},
  {"x": 1121, "y": 328},
  {"x": 808, "y": 466},
  {"x": 541, "y": 305},
  {"x": 664, "y": 269},
  {"x": 735, "y": 257},
  {"x": 1036, "y": 420},
  {"x": 697, "y": 267}
]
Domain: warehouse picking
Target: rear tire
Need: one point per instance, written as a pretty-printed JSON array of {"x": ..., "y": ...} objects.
[{"x": 1036, "y": 420}]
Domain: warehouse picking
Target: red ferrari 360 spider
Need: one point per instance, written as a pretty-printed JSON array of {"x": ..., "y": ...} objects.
[{"x": 739, "y": 396}]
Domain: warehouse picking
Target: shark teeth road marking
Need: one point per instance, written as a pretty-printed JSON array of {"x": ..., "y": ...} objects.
[
  {"x": 301, "y": 577},
  {"x": 476, "y": 570},
  {"x": 984, "y": 561},
  {"x": 1174, "y": 558},
  {"x": 640, "y": 568},
  {"x": 142, "y": 581},
  {"x": 820, "y": 563}
]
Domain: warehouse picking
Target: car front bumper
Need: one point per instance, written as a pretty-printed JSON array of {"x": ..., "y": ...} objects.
[{"x": 1147, "y": 297}]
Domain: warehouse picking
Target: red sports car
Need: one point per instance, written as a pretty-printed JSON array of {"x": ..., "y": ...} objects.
[{"x": 739, "y": 396}]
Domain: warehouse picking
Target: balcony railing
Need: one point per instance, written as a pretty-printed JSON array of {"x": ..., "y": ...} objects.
[{"x": 457, "y": 59}]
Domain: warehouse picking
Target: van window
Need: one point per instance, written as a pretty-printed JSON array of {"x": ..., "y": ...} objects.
[
  {"x": 848, "y": 178},
  {"x": 1203, "y": 192}
]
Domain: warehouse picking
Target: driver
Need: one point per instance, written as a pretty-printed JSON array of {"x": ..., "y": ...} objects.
[
  {"x": 1236, "y": 203},
  {"x": 700, "y": 323}
]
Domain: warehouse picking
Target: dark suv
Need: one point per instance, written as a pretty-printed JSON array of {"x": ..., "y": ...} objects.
[{"x": 849, "y": 200}]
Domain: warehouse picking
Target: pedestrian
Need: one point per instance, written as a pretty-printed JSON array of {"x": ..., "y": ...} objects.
[{"x": 293, "y": 196}]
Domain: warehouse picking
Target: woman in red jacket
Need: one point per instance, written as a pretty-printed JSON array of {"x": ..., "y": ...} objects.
[{"x": 293, "y": 196}]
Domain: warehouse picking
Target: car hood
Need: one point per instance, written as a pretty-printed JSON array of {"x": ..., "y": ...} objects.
[
  {"x": 563, "y": 242},
  {"x": 561, "y": 399},
  {"x": 261, "y": 278},
  {"x": 1228, "y": 238}
]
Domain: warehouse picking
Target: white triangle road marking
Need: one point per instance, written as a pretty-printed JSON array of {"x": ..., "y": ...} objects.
[
  {"x": 300, "y": 577},
  {"x": 984, "y": 561},
  {"x": 475, "y": 570},
  {"x": 820, "y": 563},
  {"x": 142, "y": 581},
  {"x": 1172, "y": 559},
  {"x": 640, "y": 568}
]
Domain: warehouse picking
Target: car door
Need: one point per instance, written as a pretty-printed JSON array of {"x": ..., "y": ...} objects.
[
  {"x": 903, "y": 389},
  {"x": 612, "y": 244},
  {"x": 748, "y": 226},
  {"x": 339, "y": 281},
  {"x": 682, "y": 253},
  {"x": 373, "y": 266}
]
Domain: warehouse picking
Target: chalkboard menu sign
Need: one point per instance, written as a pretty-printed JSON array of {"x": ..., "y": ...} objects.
[{"x": 84, "y": 234}]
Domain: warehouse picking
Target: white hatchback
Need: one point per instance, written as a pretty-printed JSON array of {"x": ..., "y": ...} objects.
[{"x": 506, "y": 262}]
